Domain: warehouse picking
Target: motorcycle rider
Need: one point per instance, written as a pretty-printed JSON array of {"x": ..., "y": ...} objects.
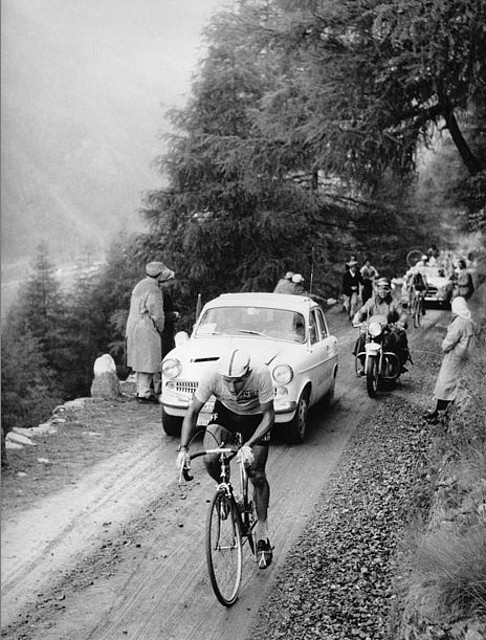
[{"x": 382, "y": 303}]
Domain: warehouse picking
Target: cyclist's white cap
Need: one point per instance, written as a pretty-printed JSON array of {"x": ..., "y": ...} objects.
[{"x": 234, "y": 363}]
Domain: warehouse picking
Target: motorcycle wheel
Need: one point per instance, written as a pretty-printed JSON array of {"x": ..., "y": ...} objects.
[{"x": 372, "y": 377}]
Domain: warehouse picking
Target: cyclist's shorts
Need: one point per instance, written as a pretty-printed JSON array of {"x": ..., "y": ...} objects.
[{"x": 234, "y": 422}]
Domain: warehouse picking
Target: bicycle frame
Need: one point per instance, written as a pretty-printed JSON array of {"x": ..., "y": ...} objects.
[{"x": 225, "y": 456}]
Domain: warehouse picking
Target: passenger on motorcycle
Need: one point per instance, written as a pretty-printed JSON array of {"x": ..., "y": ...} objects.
[{"x": 382, "y": 303}]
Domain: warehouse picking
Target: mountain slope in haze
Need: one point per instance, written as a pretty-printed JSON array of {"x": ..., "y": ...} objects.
[{"x": 83, "y": 88}]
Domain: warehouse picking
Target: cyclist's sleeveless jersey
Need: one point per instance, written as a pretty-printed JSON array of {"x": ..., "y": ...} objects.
[{"x": 258, "y": 390}]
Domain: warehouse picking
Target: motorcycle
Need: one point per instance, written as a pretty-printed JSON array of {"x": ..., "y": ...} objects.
[{"x": 379, "y": 365}]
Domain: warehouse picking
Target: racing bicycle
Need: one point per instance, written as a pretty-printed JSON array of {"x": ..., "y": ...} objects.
[
  {"x": 229, "y": 525},
  {"x": 417, "y": 307}
]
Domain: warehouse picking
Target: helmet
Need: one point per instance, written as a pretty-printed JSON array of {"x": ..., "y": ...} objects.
[
  {"x": 234, "y": 363},
  {"x": 297, "y": 278},
  {"x": 383, "y": 283}
]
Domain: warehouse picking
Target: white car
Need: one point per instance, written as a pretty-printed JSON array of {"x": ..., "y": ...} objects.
[
  {"x": 439, "y": 287},
  {"x": 289, "y": 333}
]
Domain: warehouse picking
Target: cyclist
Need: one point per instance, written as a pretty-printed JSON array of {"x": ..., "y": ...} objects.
[
  {"x": 244, "y": 403},
  {"x": 418, "y": 286},
  {"x": 416, "y": 281}
]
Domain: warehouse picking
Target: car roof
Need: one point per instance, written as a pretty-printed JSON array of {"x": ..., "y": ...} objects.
[{"x": 263, "y": 299}]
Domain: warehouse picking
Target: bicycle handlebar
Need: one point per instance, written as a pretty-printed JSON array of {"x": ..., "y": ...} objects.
[{"x": 185, "y": 473}]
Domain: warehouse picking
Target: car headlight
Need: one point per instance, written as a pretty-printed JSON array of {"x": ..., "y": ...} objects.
[
  {"x": 374, "y": 329},
  {"x": 283, "y": 374},
  {"x": 171, "y": 368}
]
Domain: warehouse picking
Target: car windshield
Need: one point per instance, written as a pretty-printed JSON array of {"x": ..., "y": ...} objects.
[
  {"x": 280, "y": 324},
  {"x": 434, "y": 272}
]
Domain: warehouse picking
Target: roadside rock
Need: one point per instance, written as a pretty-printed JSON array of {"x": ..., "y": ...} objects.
[{"x": 105, "y": 382}]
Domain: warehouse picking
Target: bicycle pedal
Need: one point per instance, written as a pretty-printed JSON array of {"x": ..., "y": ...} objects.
[{"x": 264, "y": 556}]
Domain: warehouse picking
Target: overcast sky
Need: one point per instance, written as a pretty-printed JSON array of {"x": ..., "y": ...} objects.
[{"x": 76, "y": 72}]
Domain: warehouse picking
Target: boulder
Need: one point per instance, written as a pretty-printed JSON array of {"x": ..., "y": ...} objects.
[{"x": 105, "y": 382}]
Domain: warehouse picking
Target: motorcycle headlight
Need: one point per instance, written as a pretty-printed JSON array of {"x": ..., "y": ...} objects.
[
  {"x": 171, "y": 368},
  {"x": 374, "y": 329},
  {"x": 282, "y": 374}
]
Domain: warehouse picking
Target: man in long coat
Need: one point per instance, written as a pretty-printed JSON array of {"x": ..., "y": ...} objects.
[
  {"x": 145, "y": 325},
  {"x": 455, "y": 348}
]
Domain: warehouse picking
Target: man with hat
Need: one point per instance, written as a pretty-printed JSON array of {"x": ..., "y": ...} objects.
[
  {"x": 284, "y": 285},
  {"x": 145, "y": 324},
  {"x": 382, "y": 303}
]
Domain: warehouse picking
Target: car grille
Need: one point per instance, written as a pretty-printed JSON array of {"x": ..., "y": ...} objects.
[
  {"x": 186, "y": 386},
  {"x": 431, "y": 291}
]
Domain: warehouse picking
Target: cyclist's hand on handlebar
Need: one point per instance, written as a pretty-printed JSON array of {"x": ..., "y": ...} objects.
[
  {"x": 183, "y": 460},
  {"x": 245, "y": 455}
]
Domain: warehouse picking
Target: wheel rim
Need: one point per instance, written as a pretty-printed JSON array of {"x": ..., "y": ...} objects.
[
  {"x": 224, "y": 549},
  {"x": 302, "y": 417}
]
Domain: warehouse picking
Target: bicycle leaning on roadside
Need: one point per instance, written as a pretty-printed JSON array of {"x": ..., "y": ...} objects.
[{"x": 229, "y": 524}]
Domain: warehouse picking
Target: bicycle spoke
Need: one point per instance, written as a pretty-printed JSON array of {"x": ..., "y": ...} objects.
[{"x": 224, "y": 549}]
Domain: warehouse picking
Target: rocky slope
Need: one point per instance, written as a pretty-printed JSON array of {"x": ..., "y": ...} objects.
[{"x": 351, "y": 573}]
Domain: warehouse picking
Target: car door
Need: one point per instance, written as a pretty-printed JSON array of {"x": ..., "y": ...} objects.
[
  {"x": 329, "y": 346},
  {"x": 320, "y": 354}
]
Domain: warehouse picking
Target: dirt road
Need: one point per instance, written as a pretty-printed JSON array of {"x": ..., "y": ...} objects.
[{"x": 122, "y": 555}]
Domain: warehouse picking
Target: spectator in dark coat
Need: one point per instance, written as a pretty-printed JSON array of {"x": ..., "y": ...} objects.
[
  {"x": 171, "y": 317},
  {"x": 464, "y": 282},
  {"x": 352, "y": 283}
]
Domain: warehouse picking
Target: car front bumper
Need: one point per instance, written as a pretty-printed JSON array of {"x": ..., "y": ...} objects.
[{"x": 177, "y": 406}]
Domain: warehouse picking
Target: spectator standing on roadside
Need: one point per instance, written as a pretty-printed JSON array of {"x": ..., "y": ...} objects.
[
  {"x": 300, "y": 290},
  {"x": 432, "y": 255},
  {"x": 284, "y": 285},
  {"x": 352, "y": 282},
  {"x": 368, "y": 275},
  {"x": 144, "y": 328},
  {"x": 455, "y": 348},
  {"x": 170, "y": 313},
  {"x": 464, "y": 282},
  {"x": 349, "y": 263}
]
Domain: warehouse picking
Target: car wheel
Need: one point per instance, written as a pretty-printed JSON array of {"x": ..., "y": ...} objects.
[
  {"x": 296, "y": 429},
  {"x": 172, "y": 425}
]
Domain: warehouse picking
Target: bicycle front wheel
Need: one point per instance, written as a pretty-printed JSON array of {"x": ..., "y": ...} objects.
[{"x": 224, "y": 553}]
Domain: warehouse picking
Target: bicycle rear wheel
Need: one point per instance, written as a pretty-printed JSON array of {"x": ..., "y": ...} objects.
[
  {"x": 413, "y": 257},
  {"x": 224, "y": 553}
]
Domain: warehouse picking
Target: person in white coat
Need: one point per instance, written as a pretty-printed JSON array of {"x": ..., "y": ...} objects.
[
  {"x": 455, "y": 347},
  {"x": 144, "y": 328}
]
